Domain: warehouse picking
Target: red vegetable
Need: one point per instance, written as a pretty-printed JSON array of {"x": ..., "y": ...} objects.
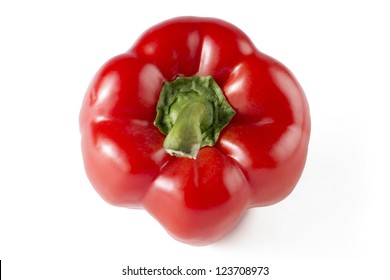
[{"x": 196, "y": 125}]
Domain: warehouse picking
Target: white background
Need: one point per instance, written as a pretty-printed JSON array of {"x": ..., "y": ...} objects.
[{"x": 53, "y": 225}]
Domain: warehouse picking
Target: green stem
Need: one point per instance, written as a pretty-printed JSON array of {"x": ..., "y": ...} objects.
[
  {"x": 191, "y": 111},
  {"x": 185, "y": 137}
]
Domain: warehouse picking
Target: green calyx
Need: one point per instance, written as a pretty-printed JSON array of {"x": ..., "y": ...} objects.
[{"x": 191, "y": 111}]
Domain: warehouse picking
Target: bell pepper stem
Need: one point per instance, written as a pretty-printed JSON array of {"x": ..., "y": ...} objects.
[
  {"x": 191, "y": 111},
  {"x": 185, "y": 137}
]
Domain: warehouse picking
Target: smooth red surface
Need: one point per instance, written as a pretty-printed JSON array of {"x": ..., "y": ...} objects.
[{"x": 257, "y": 160}]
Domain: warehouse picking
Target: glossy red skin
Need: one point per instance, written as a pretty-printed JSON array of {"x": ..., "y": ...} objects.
[{"x": 257, "y": 160}]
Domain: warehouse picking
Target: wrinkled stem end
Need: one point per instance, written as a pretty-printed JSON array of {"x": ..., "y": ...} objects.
[{"x": 188, "y": 150}]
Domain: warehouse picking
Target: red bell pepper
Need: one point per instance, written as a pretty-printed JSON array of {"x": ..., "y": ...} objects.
[{"x": 196, "y": 125}]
